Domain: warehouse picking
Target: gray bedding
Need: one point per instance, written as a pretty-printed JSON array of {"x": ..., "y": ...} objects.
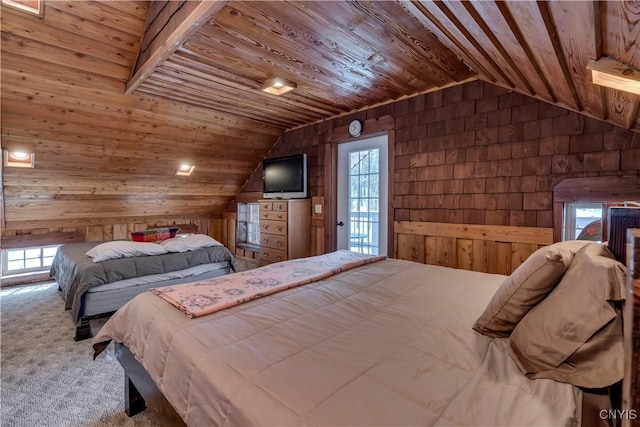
[{"x": 75, "y": 272}]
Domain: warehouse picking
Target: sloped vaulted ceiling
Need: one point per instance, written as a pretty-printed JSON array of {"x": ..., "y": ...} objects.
[
  {"x": 112, "y": 95},
  {"x": 347, "y": 55}
]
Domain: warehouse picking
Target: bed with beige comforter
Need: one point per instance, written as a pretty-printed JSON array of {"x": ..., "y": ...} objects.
[{"x": 387, "y": 343}]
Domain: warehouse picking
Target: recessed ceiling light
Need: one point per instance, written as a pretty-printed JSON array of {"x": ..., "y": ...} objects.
[
  {"x": 18, "y": 155},
  {"x": 19, "y": 159},
  {"x": 278, "y": 86},
  {"x": 185, "y": 169}
]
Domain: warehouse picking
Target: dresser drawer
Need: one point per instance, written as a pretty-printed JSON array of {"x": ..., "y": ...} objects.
[
  {"x": 273, "y": 227},
  {"x": 266, "y": 206},
  {"x": 280, "y": 206},
  {"x": 273, "y": 241},
  {"x": 272, "y": 255},
  {"x": 275, "y": 215}
]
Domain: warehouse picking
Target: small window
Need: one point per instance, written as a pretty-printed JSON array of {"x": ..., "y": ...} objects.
[
  {"x": 27, "y": 260},
  {"x": 248, "y": 232},
  {"x": 581, "y": 205},
  {"x": 253, "y": 225},
  {"x": 583, "y": 221}
]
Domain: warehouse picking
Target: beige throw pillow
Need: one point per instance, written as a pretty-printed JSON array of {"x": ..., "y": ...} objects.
[
  {"x": 575, "y": 334},
  {"x": 529, "y": 284}
]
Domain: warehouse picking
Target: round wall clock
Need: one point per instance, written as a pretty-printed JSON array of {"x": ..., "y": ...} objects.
[{"x": 355, "y": 127}]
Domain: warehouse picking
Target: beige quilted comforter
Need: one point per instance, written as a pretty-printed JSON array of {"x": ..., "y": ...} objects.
[{"x": 389, "y": 343}]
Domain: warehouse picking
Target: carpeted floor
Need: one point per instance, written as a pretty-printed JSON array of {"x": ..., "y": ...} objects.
[{"x": 47, "y": 378}]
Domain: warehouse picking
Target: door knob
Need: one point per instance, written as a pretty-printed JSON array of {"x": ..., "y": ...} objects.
[{"x": 340, "y": 224}]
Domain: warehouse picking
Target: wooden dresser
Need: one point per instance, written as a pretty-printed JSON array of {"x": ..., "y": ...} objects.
[{"x": 285, "y": 231}]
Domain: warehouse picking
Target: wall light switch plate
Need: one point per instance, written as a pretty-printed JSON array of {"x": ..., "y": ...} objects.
[{"x": 317, "y": 209}]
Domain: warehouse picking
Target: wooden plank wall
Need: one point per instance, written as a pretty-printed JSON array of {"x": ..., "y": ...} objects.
[
  {"x": 486, "y": 248},
  {"x": 96, "y": 232}
]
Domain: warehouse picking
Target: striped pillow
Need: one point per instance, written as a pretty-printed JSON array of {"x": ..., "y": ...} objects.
[{"x": 154, "y": 234}]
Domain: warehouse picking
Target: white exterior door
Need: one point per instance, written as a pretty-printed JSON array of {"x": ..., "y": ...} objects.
[{"x": 363, "y": 195}]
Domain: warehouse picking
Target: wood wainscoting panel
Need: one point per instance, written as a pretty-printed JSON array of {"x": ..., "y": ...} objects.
[
  {"x": 486, "y": 248},
  {"x": 20, "y": 241}
]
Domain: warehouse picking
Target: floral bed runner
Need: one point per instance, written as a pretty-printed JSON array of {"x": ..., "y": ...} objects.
[{"x": 211, "y": 295}]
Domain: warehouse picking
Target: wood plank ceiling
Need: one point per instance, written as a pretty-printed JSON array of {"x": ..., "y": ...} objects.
[{"x": 112, "y": 96}]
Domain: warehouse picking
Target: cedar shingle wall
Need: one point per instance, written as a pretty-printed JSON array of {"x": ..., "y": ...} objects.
[{"x": 479, "y": 154}]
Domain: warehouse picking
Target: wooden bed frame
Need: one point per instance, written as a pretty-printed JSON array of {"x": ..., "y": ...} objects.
[{"x": 140, "y": 390}]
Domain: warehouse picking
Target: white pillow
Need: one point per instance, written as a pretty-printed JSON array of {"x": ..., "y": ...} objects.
[
  {"x": 124, "y": 249},
  {"x": 189, "y": 243}
]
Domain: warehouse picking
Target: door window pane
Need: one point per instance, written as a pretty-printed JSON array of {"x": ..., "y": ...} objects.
[{"x": 363, "y": 199}]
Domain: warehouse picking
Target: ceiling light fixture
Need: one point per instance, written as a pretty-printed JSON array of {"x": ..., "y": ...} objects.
[
  {"x": 614, "y": 74},
  {"x": 278, "y": 85},
  {"x": 185, "y": 169},
  {"x": 19, "y": 159}
]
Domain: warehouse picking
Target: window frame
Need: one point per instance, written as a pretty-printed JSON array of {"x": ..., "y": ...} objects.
[
  {"x": 253, "y": 223},
  {"x": 244, "y": 222},
  {"x": 569, "y": 223},
  {"x": 592, "y": 190},
  {"x": 4, "y": 260}
]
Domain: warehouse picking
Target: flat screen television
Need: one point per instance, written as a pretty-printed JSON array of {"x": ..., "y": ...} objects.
[{"x": 285, "y": 177}]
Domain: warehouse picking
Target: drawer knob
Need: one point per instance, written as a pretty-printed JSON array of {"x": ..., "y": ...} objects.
[
  {"x": 279, "y": 243},
  {"x": 279, "y": 228},
  {"x": 265, "y": 240},
  {"x": 279, "y": 258},
  {"x": 265, "y": 254}
]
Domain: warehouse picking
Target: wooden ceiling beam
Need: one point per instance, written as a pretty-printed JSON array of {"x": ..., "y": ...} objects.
[
  {"x": 557, "y": 46},
  {"x": 508, "y": 17},
  {"x": 419, "y": 11},
  {"x": 614, "y": 74},
  {"x": 577, "y": 25},
  {"x": 174, "y": 34},
  {"x": 452, "y": 17},
  {"x": 498, "y": 45}
]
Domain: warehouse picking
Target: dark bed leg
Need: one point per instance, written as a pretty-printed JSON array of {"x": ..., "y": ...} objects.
[
  {"x": 83, "y": 331},
  {"x": 140, "y": 391},
  {"x": 133, "y": 401}
]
